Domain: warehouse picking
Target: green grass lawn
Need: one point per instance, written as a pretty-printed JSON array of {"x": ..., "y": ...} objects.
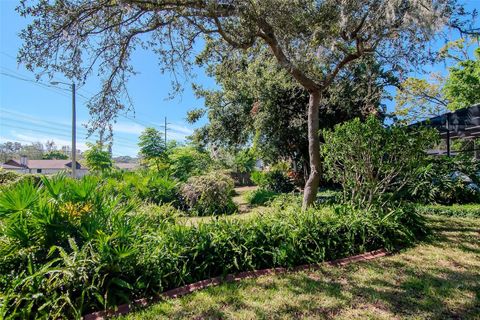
[{"x": 438, "y": 279}]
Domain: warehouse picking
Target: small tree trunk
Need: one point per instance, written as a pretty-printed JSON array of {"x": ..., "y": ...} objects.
[{"x": 311, "y": 186}]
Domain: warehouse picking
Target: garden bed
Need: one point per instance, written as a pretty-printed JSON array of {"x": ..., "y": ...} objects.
[
  {"x": 83, "y": 250},
  {"x": 438, "y": 279},
  {"x": 200, "y": 285}
]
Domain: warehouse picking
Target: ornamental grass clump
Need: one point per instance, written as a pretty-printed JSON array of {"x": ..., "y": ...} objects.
[{"x": 209, "y": 194}]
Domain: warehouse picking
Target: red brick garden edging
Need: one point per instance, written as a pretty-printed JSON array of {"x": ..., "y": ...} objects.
[{"x": 189, "y": 288}]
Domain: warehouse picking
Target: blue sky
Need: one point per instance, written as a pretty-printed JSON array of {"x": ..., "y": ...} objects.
[{"x": 31, "y": 112}]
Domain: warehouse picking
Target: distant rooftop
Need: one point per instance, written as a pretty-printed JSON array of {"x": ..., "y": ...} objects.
[
  {"x": 126, "y": 165},
  {"x": 41, "y": 164}
]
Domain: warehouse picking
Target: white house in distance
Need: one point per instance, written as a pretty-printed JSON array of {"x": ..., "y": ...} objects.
[{"x": 25, "y": 165}]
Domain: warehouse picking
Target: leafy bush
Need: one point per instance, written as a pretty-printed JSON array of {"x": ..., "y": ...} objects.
[
  {"x": 464, "y": 210},
  {"x": 98, "y": 158},
  {"x": 10, "y": 177},
  {"x": 158, "y": 214},
  {"x": 372, "y": 162},
  {"x": 274, "y": 181},
  {"x": 259, "y": 196},
  {"x": 65, "y": 248},
  {"x": 185, "y": 162},
  {"x": 446, "y": 180},
  {"x": 145, "y": 186},
  {"x": 208, "y": 194},
  {"x": 283, "y": 237},
  {"x": 7, "y": 176},
  {"x": 258, "y": 178}
]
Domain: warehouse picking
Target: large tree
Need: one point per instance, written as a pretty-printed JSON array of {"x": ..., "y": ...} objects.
[
  {"x": 313, "y": 40},
  {"x": 258, "y": 102}
]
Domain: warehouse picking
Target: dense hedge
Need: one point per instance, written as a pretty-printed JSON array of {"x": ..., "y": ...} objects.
[
  {"x": 456, "y": 210},
  {"x": 69, "y": 247}
]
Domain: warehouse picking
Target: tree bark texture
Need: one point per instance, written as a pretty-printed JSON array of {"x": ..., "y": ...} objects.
[{"x": 311, "y": 186}]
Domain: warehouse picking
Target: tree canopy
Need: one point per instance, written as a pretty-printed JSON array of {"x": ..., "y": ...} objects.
[
  {"x": 418, "y": 99},
  {"x": 260, "y": 104},
  {"x": 152, "y": 146},
  {"x": 312, "y": 40},
  {"x": 98, "y": 159}
]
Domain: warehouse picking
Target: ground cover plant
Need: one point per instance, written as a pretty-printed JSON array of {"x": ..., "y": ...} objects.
[
  {"x": 446, "y": 180},
  {"x": 455, "y": 210},
  {"x": 68, "y": 247}
]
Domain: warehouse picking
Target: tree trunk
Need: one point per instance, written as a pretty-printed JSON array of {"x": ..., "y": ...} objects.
[{"x": 311, "y": 186}]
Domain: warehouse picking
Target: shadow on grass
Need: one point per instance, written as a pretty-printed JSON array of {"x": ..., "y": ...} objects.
[{"x": 439, "y": 279}]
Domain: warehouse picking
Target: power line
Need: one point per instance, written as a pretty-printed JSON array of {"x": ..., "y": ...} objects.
[
  {"x": 40, "y": 122},
  {"x": 55, "y": 89},
  {"x": 61, "y": 134}
]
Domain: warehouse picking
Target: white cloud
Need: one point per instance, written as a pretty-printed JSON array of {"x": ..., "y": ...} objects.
[
  {"x": 129, "y": 128},
  {"x": 175, "y": 131},
  {"x": 181, "y": 129}
]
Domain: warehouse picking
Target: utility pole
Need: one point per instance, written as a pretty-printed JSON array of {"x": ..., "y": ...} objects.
[
  {"x": 74, "y": 127},
  {"x": 74, "y": 134},
  {"x": 165, "y": 132}
]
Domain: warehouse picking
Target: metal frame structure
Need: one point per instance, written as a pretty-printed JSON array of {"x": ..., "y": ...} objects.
[{"x": 460, "y": 124}]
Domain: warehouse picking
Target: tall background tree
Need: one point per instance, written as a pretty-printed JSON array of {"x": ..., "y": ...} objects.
[
  {"x": 259, "y": 104},
  {"x": 312, "y": 40},
  {"x": 98, "y": 158},
  {"x": 421, "y": 98},
  {"x": 152, "y": 147}
]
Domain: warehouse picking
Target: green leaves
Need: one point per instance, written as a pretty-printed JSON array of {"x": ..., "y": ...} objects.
[
  {"x": 462, "y": 87},
  {"x": 18, "y": 198},
  {"x": 152, "y": 146},
  {"x": 59, "y": 259},
  {"x": 209, "y": 194},
  {"x": 373, "y": 163},
  {"x": 98, "y": 158}
]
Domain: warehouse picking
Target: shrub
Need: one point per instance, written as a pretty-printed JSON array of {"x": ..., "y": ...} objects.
[
  {"x": 10, "y": 177},
  {"x": 98, "y": 158},
  {"x": 285, "y": 237},
  {"x": 65, "y": 248},
  {"x": 446, "y": 180},
  {"x": 464, "y": 210},
  {"x": 145, "y": 186},
  {"x": 157, "y": 215},
  {"x": 259, "y": 196},
  {"x": 371, "y": 162},
  {"x": 258, "y": 178},
  {"x": 209, "y": 194},
  {"x": 274, "y": 181},
  {"x": 185, "y": 162},
  {"x": 7, "y": 176}
]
